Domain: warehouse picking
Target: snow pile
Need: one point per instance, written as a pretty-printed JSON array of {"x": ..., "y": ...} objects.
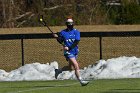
[
  {"x": 35, "y": 71},
  {"x": 122, "y": 67}
]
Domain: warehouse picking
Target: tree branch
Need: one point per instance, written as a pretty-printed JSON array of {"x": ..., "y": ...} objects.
[
  {"x": 19, "y": 16},
  {"x": 58, "y": 6},
  {"x": 24, "y": 21}
]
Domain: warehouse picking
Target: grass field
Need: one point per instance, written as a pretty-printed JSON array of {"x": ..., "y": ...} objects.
[{"x": 72, "y": 86}]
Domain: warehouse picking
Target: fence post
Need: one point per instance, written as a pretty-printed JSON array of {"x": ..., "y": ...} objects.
[
  {"x": 22, "y": 51},
  {"x": 100, "y": 42}
]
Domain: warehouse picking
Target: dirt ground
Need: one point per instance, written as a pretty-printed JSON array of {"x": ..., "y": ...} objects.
[{"x": 81, "y": 28}]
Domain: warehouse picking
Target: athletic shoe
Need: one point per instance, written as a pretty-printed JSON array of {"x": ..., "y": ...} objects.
[
  {"x": 56, "y": 73},
  {"x": 84, "y": 83}
]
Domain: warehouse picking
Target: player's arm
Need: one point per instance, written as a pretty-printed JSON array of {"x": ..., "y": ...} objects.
[
  {"x": 77, "y": 39},
  {"x": 58, "y": 38},
  {"x": 75, "y": 43},
  {"x": 55, "y": 35}
]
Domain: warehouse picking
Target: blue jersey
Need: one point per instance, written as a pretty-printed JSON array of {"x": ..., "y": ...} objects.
[{"x": 68, "y": 37}]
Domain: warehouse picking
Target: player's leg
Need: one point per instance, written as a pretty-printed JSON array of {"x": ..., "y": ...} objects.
[
  {"x": 77, "y": 73},
  {"x": 76, "y": 67},
  {"x": 65, "y": 68}
]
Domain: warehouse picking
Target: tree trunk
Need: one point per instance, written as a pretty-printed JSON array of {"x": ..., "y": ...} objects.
[
  {"x": 138, "y": 2},
  {"x": 11, "y": 7},
  {"x": 3, "y": 11}
]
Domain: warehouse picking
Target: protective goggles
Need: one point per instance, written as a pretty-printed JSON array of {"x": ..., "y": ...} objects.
[{"x": 69, "y": 23}]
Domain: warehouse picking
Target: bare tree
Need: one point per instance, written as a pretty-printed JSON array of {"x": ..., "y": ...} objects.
[
  {"x": 3, "y": 10},
  {"x": 11, "y": 10},
  {"x": 7, "y": 8}
]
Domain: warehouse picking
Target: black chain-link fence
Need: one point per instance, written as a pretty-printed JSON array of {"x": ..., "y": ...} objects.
[{"x": 25, "y": 49}]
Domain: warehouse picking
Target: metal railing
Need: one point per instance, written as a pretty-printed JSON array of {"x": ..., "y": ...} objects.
[{"x": 99, "y": 35}]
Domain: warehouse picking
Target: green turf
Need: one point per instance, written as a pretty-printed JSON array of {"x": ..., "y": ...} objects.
[{"x": 96, "y": 86}]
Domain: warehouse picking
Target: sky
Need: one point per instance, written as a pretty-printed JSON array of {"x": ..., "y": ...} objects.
[{"x": 114, "y": 68}]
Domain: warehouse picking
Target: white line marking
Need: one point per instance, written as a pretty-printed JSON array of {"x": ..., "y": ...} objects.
[{"x": 53, "y": 86}]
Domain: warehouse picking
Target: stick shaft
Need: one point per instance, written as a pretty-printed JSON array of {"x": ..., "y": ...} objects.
[{"x": 45, "y": 24}]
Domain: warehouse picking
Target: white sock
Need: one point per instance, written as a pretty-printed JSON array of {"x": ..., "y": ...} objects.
[{"x": 80, "y": 79}]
